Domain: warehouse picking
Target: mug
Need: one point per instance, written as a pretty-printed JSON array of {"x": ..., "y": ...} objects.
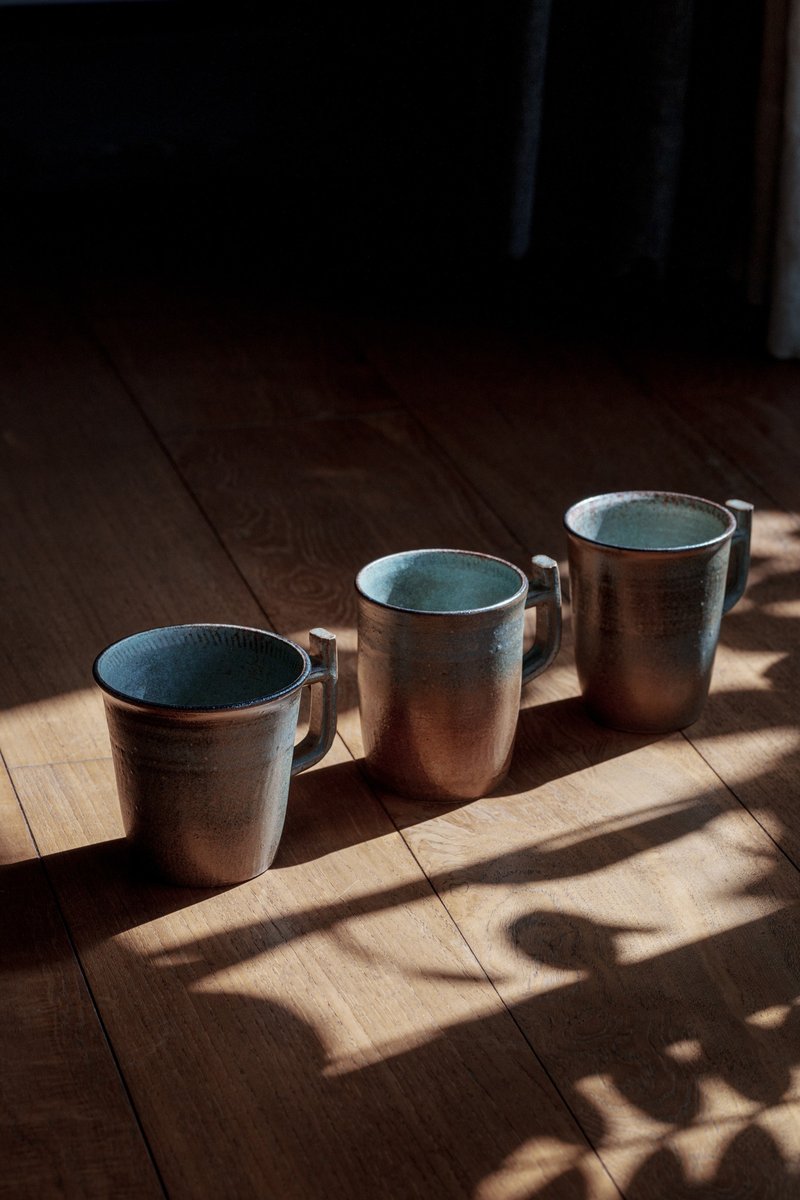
[
  {"x": 651, "y": 574},
  {"x": 441, "y": 666},
  {"x": 202, "y": 721}
]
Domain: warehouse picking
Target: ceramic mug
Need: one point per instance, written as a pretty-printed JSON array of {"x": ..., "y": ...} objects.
[
  {"x": 202, "y": 721},
  {"x": 441, "y": 666},
  {"x": 651, "y": 574}
]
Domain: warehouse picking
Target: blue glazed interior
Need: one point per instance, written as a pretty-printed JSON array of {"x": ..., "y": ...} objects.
[
  {"x": 649, "y": 521},
  {"x": 440, "y": 581},
  {"x": 200, "y": 666}
]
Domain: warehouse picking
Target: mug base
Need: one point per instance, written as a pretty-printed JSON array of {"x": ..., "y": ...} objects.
[
  {"x": 173, "y": 872},
  {"x": 429, "y": 791},
  {"x": 630, "y": 723}
]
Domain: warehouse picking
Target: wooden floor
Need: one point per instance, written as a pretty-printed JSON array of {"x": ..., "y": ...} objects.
[{"x": 586, "y": 985}]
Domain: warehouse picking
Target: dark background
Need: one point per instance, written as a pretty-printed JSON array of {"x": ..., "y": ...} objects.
[{"x": 394, "y": 145}]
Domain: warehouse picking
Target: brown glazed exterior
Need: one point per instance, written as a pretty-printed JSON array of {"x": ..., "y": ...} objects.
[
  {"x": 646, "y": 621},
  {"x": 203, "y": 790},
  {"x": 439, "y": 692}
]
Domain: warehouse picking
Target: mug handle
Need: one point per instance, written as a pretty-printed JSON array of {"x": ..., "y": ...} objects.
[
  {"x": 322, "y": 717},
  {"x": 544, "y": 593},
  {"x": 740, "y": 552}
]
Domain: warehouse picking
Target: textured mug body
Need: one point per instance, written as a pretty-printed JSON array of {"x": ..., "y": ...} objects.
[
  {"x": 202, "y": 722},
  {"x": 650, "y": 578},
  {"x": 439, "y": 691}
]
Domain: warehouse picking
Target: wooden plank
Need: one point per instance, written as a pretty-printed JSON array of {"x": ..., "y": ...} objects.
[
  {"x": 536, "y": 425},
  {"x": 321, "y": 1031},
  {"x": 745, "y": 404},
  {"x": 66, "y": 1124},
  {"x": 246, "y": 364}
]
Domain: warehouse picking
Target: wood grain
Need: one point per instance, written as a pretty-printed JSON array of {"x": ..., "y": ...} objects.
[
  {"x": 540, "y": 422},
  {"x": 748, "y": 406},
  {"x": 100, "y": 539},
  {"x": 585, "y": 985},
  {"x": 243, "y": 366},
  {"x": 66, "y": 1125}
]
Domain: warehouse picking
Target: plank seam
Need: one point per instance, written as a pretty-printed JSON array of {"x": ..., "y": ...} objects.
[
  {"x": 742, "y": 804},
  {"x": 508, "y": 1010},
  {"x": 55, "y": 762},
  {"x": 438, "y": 448},
  {"x": 42, "y": 859},
  {"x": 106, "y": 354},
  {"x": 641, "y": 381}
]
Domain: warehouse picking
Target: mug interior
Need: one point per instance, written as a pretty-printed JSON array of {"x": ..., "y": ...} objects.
[
  {"x": 442, "y": 581},
  {"x": 649, "y": 520},
  {"x": 200, "y": 666}
]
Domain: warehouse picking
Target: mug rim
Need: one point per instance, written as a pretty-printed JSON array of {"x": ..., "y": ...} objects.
[
  {"x": 160, "y": 706},
  {"x": 508, "y": 602},
  {"x": 647, "y": 494}
]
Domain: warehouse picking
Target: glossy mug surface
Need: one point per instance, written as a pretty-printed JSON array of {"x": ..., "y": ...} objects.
[
  {"x": 202, "y": 721},
  {"x": 441, "y": 666},
  {"x": 651, "y": 574}
]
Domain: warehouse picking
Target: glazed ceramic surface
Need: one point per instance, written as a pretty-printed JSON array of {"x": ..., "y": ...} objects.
[
  {"x": 651, "y": 574},
  {"x": 202, "y": 721},
  {"x": 440, "y": 666}
]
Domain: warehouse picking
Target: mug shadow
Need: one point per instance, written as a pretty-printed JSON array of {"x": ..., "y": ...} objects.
[
  {"x": 330, "y": 809},
  {"x": 557, "y": 739},
  {"x": 121, "y": 894}
]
